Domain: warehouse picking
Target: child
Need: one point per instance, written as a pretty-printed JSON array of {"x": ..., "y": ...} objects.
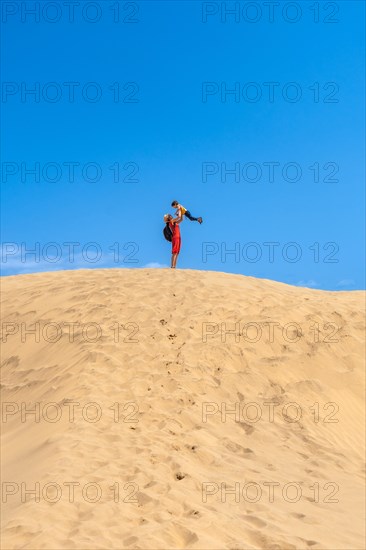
[{"x": 181, "y": 211}]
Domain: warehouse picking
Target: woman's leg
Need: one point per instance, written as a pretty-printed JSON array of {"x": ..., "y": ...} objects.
[{"x": 176, "y": 243}]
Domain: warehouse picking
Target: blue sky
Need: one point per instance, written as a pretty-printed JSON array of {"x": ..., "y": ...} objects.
[{"x": 173, "y": 132}]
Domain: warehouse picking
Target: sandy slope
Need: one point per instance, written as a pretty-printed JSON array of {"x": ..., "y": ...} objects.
[{"x": 169, "y": 459}]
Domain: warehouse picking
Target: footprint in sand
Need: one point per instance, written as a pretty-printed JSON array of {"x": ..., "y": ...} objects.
[
  {"x": 298, "y": 516},
  {"x": 253, "y": 520},
  {"x": 246, "y": 427}
]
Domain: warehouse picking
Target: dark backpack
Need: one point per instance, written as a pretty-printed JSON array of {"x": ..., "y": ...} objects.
[{"x": 167, "y": 232}]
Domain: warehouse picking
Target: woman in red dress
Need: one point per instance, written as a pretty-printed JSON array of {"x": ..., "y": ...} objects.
[{"x": 176, "y": 239}]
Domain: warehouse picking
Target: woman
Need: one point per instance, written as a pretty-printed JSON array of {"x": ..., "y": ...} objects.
[{"x": 176, "y": 239}]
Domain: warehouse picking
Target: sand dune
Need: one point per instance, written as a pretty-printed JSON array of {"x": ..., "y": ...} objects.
[{"x": 172, "y": 432}]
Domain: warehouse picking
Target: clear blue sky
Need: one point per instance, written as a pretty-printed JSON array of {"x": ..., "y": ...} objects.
[{"x": 173, "y": 128}]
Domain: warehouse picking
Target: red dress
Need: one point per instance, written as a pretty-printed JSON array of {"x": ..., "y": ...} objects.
[{"x": 176, "y": 240}]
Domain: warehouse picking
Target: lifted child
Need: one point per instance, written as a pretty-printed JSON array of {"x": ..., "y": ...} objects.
[{"x": 181, "y": 211}]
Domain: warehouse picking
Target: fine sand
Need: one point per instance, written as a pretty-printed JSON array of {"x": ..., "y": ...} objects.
[{"x": 171, "y": 432}]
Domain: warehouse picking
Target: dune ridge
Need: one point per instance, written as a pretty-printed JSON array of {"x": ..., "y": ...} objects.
[{"x": 180, "y": 409}]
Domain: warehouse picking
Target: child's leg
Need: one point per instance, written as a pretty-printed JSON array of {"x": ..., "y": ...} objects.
[{"x": 189, "y": 216}]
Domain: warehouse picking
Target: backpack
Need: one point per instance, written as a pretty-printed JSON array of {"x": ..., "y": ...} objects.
[{"x": 167, "y": 232}]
